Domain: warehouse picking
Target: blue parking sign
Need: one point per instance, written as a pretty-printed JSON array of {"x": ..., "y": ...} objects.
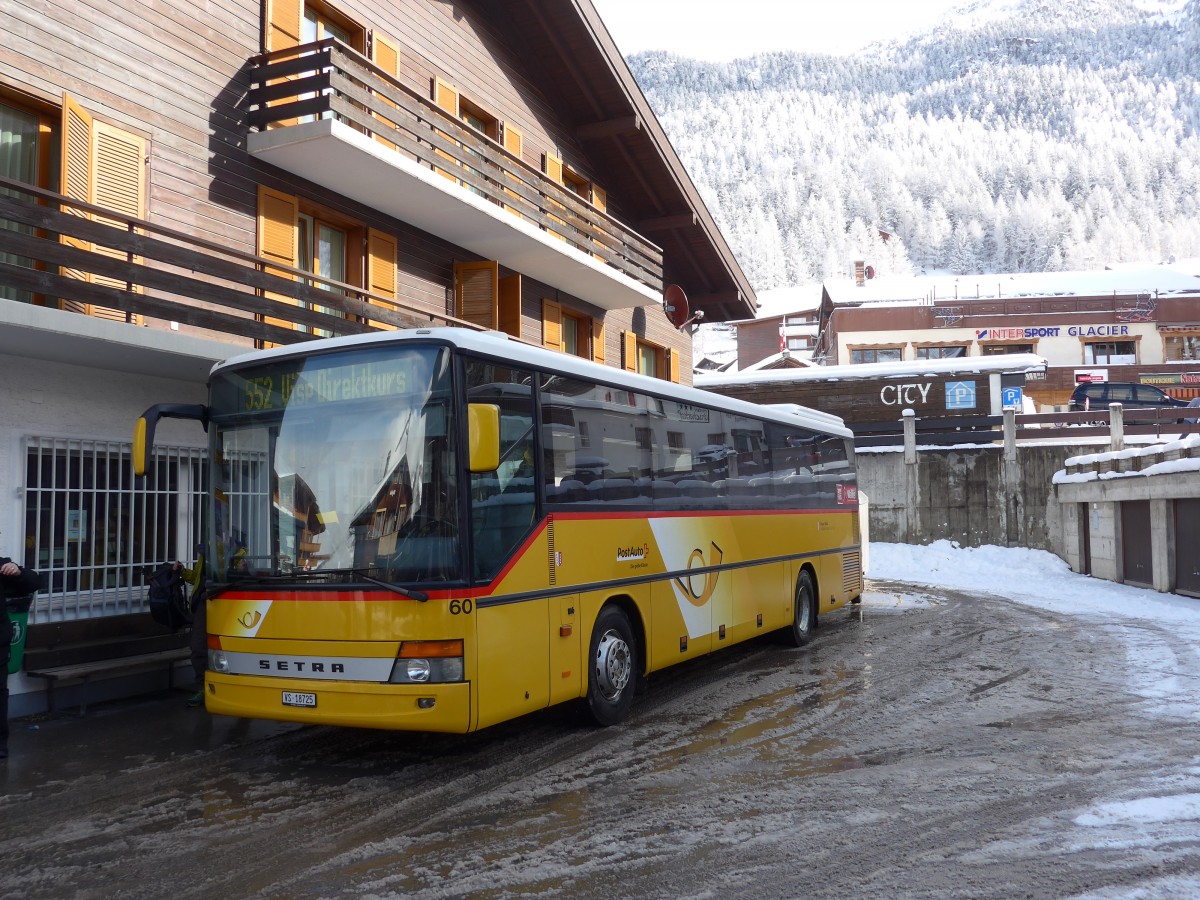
[
  {"x": 1010, "y": 397},
  {"x": 960, "y": 395}
]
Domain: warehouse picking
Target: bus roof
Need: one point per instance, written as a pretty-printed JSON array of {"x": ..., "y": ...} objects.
[{"x": 501, "y": 346}]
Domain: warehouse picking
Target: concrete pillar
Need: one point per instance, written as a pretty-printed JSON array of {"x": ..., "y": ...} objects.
[
  {"x": 1162, "y": 564},
  {"x": 1011, "y": 477},
  {"x": 1010, "y": 435},
  {"x": 1071, "y": 540},
  {"x": 1116, "y": 426},
  {"x": 1103, "y": 536},
  {"x": 910, "y": 437},
  {"x": 912, "y": 481}
]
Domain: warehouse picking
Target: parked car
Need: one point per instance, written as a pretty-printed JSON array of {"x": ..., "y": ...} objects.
[
  {"x": 714, "y": 452},
  {"x": 1099, "y": 394},
  {"x": 1195, "y": 419}
]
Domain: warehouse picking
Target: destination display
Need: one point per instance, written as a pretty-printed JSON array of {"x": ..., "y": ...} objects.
[{"x": 299, "y": 383}]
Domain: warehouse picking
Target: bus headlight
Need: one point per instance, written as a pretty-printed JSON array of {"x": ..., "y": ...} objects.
[
  {"x": 418, "y": 670},
  {"x": 425, "y": 662},
  {"x": 218, "y": 661}
]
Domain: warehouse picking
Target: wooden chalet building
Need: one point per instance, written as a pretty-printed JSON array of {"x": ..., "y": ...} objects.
[{"x": 180, "y": 182}]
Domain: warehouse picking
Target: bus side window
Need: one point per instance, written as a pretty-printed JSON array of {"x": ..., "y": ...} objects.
[{"x": 503, "y": 502}]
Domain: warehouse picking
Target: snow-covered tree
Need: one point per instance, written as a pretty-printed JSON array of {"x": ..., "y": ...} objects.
[{"x": 1038, "y": 137}]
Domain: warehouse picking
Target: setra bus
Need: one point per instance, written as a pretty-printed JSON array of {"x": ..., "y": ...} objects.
[{"x": 440, "y": 529}]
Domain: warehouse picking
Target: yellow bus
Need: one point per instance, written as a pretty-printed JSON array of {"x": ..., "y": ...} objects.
[{"x": 441, "y": 529}]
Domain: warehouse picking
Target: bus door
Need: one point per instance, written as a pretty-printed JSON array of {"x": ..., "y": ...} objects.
[{"x": 513, "y": 628}]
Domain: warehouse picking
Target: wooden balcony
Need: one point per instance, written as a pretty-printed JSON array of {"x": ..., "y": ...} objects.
[
  {"x": 133, "y": 271},
  {"x": 327, "y": 114}
]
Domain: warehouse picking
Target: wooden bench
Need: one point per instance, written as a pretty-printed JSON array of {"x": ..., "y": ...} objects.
[{"x": 78, "y": 650}]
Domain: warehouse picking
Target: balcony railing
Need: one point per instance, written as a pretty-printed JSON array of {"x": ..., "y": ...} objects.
[
  {"x": 327, "y": 79},
  {"x": 143, "y": 269}
]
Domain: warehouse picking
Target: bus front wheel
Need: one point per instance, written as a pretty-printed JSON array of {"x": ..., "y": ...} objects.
[
  {"x": 804, "y": 617},
  {"x": 612, "y": 667}
]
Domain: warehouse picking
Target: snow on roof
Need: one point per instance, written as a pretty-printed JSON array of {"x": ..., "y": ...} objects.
[
  {"x": 799, "y": 362},
  {"x": 975, "y": 365},
  {"x": 783, "y": 301},
  {"x": 1175, "y": 278}
]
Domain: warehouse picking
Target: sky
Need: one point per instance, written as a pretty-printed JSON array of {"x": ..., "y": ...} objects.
[
  {"x": 1155, "y": 671},
  {"x": 721, "y": 31}
]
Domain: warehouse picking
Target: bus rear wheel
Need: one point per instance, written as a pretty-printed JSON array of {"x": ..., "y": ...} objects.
[
  {"x": 800, "y": 631},
  {"x": 612, "y": 667}
]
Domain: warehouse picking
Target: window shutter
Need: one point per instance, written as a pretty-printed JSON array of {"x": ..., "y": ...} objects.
[
  {"x": 446, "y": 98},
  {"x": 475, "y": 292},
  {"x": 510, "y": 305},
  {"x": 551, "y": 324},
  {"x": 119, "y": 184},
  {"x": 277, "y": 236},
  {"x": 514, "y": 143},
  {"x": 514, "y": 140},
  {"x": 673, "y": 364},
  {"x": 381, "y": 271},
  {"x": 553, "y": 167},
  {"x": 283, "y": 23},
  {"x": 386, "y": 55},
  {"x": 76, "y": 179},
  {"x": 629, "y": 349},
  {"x": 600, "y": 201},
  {"x": 598, "y": 341}
]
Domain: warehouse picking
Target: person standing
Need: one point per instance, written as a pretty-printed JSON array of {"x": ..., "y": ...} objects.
[
  {"x": 16, "y": 582},
  {"x": 198, "y": 637}
]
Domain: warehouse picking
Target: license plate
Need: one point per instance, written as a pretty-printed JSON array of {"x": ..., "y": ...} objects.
[{"x": 294, "y": 698}]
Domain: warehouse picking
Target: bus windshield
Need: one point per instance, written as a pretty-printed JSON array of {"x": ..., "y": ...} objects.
[{"x": 339, "y": 466}]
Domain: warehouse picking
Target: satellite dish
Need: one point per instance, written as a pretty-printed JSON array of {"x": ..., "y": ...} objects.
[{"x": 675, "y": 305}]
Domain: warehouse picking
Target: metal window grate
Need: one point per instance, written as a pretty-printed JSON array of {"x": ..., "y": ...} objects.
[{"x": 94, "y": 534}]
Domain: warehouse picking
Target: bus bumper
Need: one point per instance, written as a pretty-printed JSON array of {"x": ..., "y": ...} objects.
[{"x": 396, "y": 707}]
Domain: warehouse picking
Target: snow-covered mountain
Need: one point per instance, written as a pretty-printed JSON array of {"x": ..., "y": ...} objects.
[{"x": 1017, "y": 135}]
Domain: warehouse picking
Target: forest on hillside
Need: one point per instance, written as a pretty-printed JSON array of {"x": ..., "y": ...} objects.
[{"x": 1057, "y": 136}]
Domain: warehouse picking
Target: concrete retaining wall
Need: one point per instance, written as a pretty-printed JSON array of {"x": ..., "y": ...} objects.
[
  {"x": 972, "y": 495},
  {"x": 1007, "y": 496}
]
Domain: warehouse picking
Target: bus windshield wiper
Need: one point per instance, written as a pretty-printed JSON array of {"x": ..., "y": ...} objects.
[{"x": 419, "y": 596}]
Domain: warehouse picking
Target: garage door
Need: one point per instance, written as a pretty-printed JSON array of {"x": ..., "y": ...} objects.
[
  {"x": 1187, "y": 539},
  {"x": 1135, "y": 543}
]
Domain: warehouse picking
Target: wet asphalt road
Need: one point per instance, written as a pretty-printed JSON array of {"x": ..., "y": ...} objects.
[{"x": 927, "y": 744}]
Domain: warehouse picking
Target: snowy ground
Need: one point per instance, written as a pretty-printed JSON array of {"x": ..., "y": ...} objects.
[
  {"x": 985, "y": 724},
  {"x": 1159, "y": 670}
]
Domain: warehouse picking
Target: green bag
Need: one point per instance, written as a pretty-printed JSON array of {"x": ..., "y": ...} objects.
[{"x": 18, "y": 614}]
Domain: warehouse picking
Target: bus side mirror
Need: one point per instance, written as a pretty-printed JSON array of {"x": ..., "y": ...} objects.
[
  {"x": 141, "y": 456},
  {"x": 143, "y": 429},
  {"x": 483, "y": 436}
]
